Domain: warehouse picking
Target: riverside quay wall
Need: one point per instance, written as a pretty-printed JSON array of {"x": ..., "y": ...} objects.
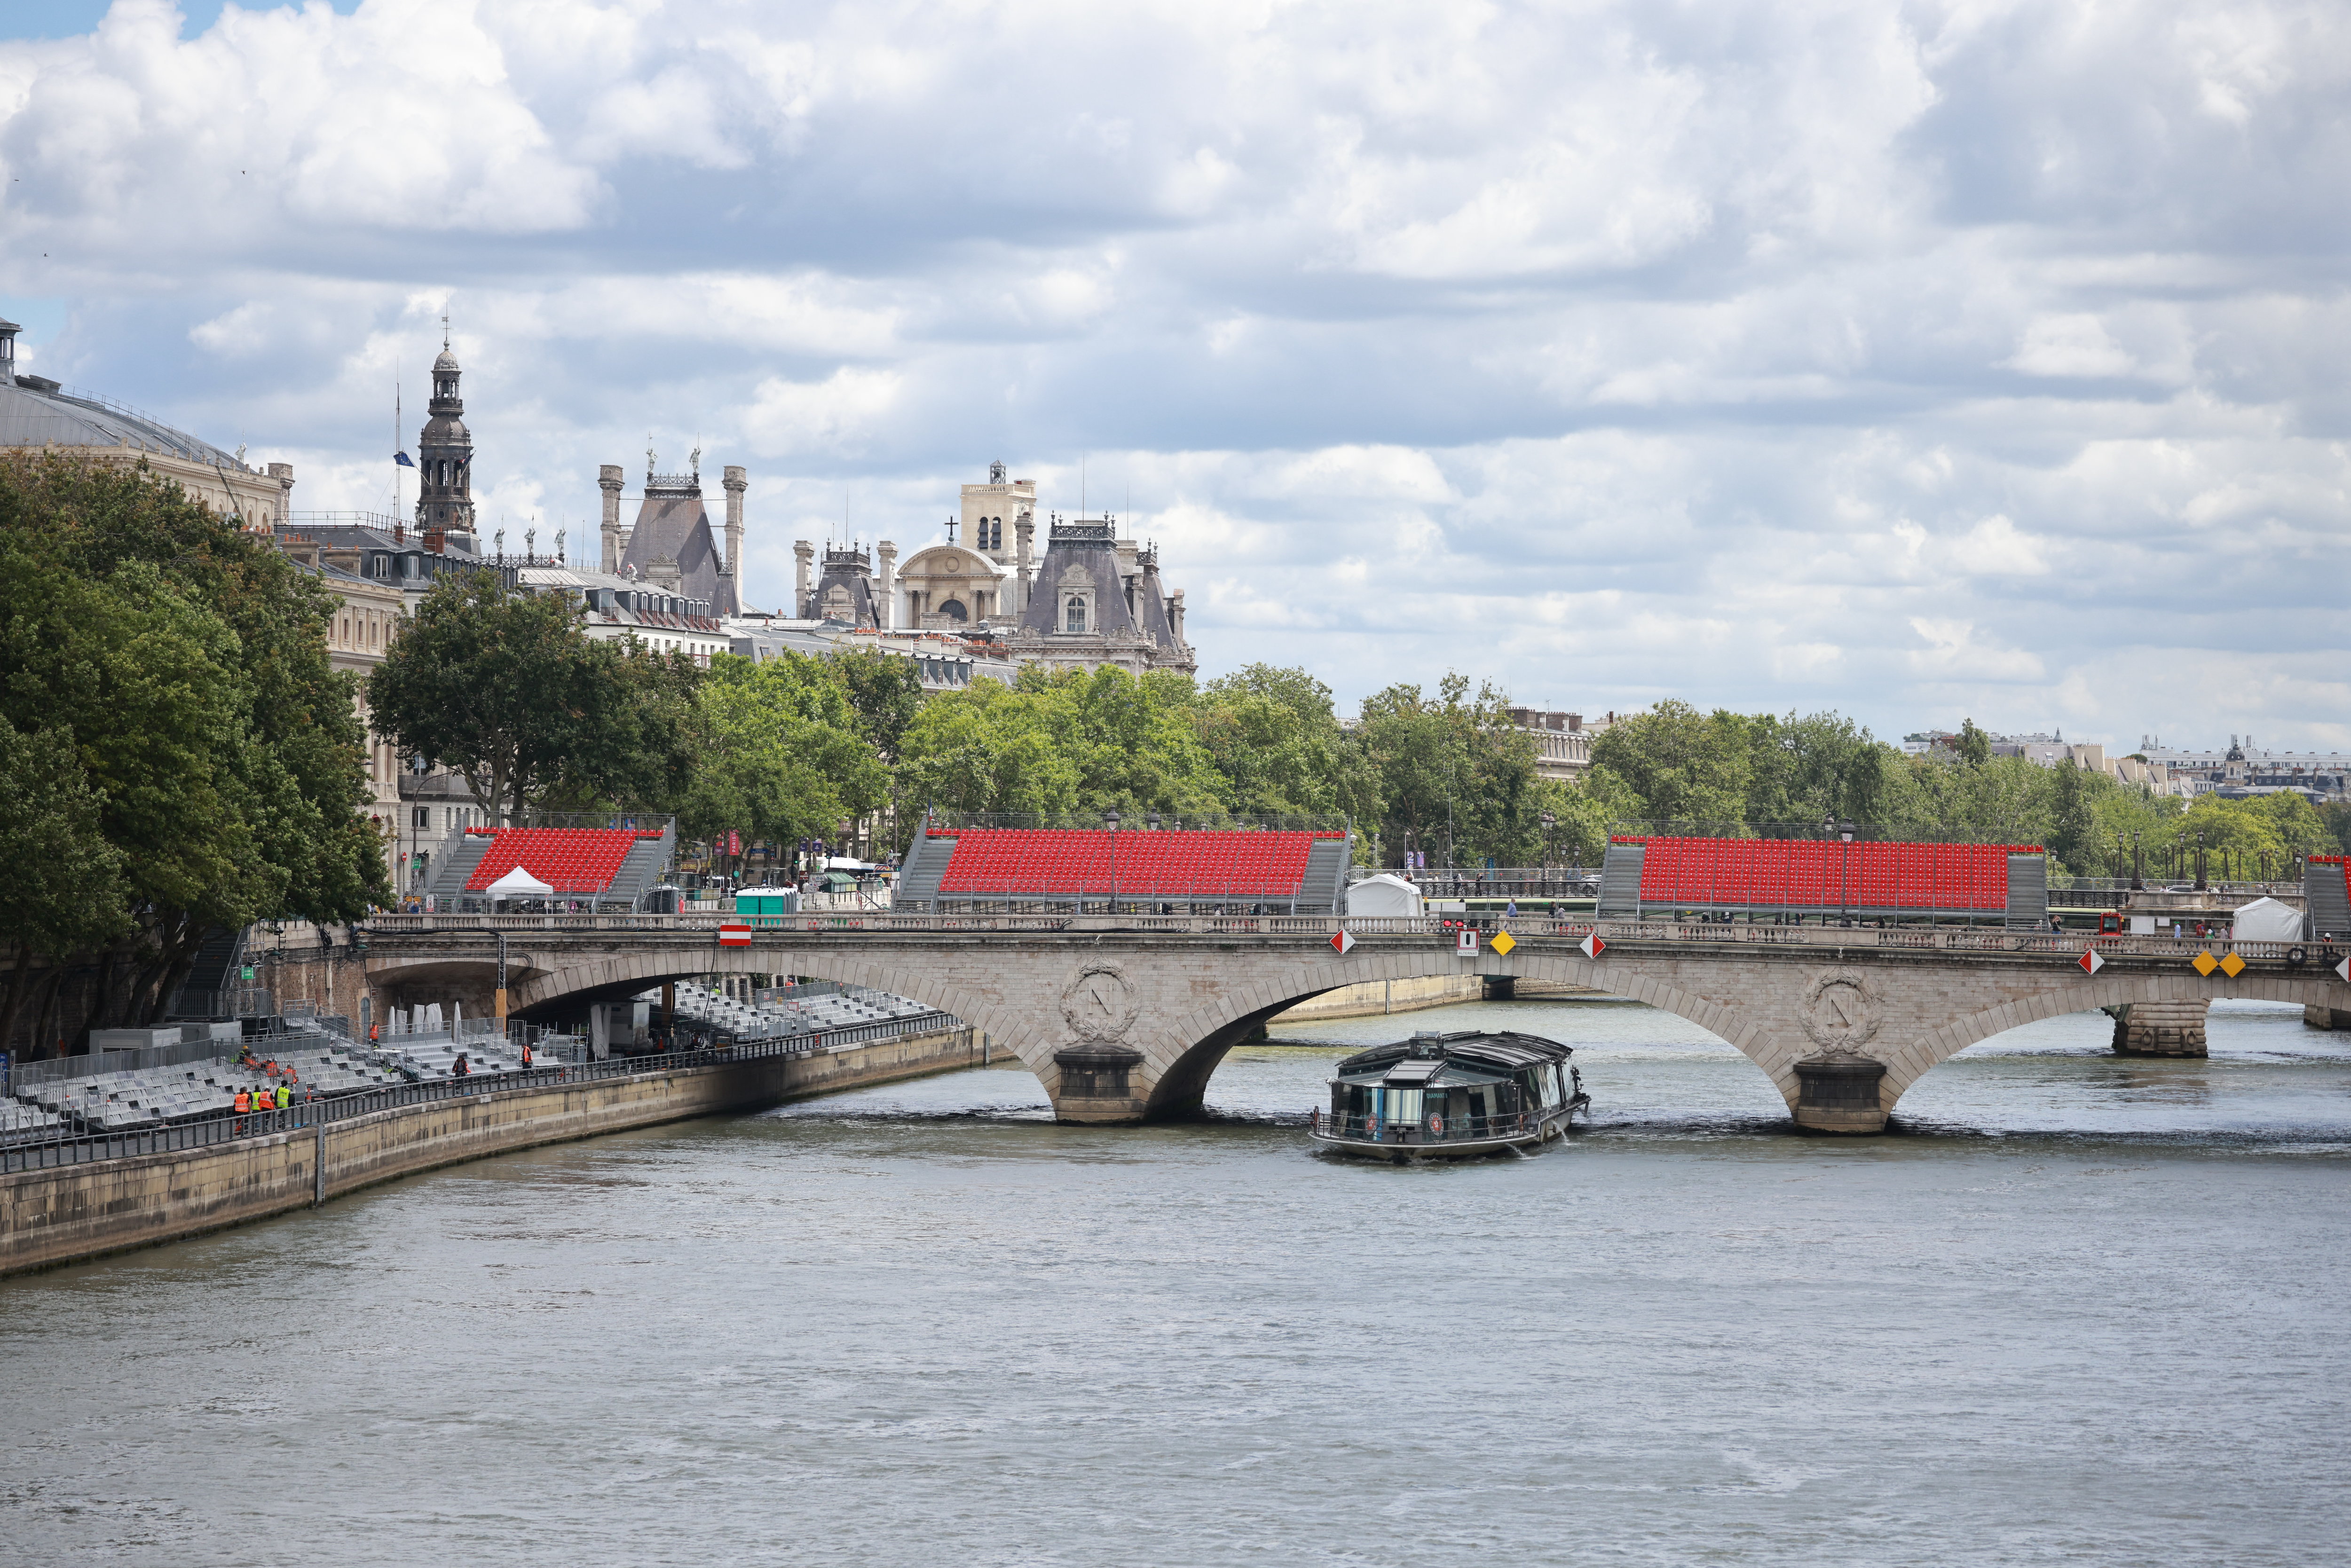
[{"x": 64, "y": 1213}]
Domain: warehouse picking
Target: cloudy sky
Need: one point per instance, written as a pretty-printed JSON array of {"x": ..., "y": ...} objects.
[{"x": 1922, "y": 360}]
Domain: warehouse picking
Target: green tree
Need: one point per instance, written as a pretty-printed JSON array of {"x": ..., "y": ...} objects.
[
  {"x": 184, "y": 662},
  {"x": 780, "y": 756},
  {"x": 1274, "y": 737},
  {"x": 507, "y": 690},
  {"x": 1456, "y": 780},
  {"x": 884, "y": 693},
  {"x": 1677, "y": 763}
]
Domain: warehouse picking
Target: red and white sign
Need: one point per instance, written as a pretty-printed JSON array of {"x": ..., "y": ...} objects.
[
  {"x": 1592, "y": 946},
  {"x": 2091, "y": 963},
  {"x": 733, "y": 936},
  {"x": 734, "y": 842},
  {"x": 2344, "y": 969},
  {"x": 1343, "y": 943},
  {"x": 1465, "y": 945}
]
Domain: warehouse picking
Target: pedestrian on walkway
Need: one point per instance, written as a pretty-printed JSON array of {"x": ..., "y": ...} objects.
[{"x": 461, "y": 1068}]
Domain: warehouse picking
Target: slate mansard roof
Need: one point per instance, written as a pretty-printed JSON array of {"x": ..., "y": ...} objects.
[{"x": 674, "y": 525}]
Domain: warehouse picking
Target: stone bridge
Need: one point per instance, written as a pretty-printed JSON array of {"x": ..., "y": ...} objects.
[{"x": 1124, "y": 1018}]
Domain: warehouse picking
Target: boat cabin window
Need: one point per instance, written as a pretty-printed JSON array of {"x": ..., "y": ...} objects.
[{"x": 1399, "y": 1104}]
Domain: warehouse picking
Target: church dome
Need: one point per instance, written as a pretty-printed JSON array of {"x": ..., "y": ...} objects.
[{"x": 448, "y": 362}]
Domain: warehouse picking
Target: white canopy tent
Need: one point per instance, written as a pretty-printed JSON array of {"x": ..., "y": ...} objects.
[
  {"x": 518, "y": 883},
  {"x": 2267, "y": 920},
  {"x": 1384, "y": 895}
]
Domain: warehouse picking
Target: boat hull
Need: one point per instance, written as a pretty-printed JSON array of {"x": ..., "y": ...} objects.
[{"x": 1551, "y": 1124}]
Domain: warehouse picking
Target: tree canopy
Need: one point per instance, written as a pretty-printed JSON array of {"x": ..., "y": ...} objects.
[
  {"x": 179, "y": 754},
  {"x": 508, "y": 691}
]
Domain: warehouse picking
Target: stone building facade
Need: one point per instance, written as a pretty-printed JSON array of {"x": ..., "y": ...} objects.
[{"x": 1095, "y": 598}]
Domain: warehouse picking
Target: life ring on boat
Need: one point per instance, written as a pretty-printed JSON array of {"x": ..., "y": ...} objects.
[{"x": 1435, "y": 1123}]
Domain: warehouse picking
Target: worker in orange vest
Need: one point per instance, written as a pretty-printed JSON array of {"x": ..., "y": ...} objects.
[{"x": 244, "y": 1103}]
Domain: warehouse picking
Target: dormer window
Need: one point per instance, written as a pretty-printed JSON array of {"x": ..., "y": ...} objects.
[{"x": 1073, "y": 614}]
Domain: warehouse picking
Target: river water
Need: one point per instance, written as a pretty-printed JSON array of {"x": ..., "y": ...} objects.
[{"x": 2079, "y": 1309}]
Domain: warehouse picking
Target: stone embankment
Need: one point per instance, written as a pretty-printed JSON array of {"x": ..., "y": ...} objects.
[{"x": 73, "y": 1212}]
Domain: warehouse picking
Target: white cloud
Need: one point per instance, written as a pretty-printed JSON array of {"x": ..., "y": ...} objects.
[{"x": 1906, "y": 358}]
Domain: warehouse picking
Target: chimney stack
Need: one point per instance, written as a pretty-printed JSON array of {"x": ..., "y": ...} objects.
[
  {"x": 888, "y": 552},
  {"x": 608, "y": 479},
  {"x": 803, "y": 553},
  {"x": 1175, "y": 616},
  {"x": 1024, "y": 533},
  {"x": 736, "y": 485},
  {"x": 8, "y": 330}
]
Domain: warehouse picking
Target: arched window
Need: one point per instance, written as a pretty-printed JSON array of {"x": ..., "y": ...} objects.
[{"x": 1073, "y": 614}]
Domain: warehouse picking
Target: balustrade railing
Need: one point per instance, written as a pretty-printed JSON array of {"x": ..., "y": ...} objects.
[{"x": 1523, "y": 929}]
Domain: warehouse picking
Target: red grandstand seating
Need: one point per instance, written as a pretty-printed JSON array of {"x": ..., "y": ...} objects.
[
  {"x": 569, "y": 860},
  {"x": 1017, "y": 862},
  {"x": 1818, "y": 874}
]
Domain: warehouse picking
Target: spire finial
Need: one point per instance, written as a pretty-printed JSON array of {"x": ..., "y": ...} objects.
[
  {"x": 649, "y": 453},
  {"x": 445, "y": 329}
]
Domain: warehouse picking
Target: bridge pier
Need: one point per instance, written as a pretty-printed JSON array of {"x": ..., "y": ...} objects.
[
  {"x": 2162, "y": 1029},
  {"x": 1840, "y": 1094},
  {"x": 1097, "y": 1084}
]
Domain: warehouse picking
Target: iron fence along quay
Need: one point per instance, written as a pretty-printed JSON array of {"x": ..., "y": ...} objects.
[{"x": 231, "y": 1126}]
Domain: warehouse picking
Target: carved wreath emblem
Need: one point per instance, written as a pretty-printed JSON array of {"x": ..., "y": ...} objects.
[
  {"x": 1099, "y": 1003},
  {"x": 1840, "y": 1015}
]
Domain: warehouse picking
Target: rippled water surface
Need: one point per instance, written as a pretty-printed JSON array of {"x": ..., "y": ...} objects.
[{"x": 2077, "y": 1309}]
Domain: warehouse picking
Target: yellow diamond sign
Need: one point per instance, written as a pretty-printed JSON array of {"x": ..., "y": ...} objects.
[
  {"x": 2233, "y": 966},
  {"x": 1503, "y": 942},
  {"x": 2205, "y": 963}
]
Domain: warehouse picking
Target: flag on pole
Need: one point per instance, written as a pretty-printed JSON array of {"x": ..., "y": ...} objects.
[{"x": 399, "y": 460}]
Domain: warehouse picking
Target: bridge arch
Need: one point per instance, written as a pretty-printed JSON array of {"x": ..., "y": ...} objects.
[
  {"x": 2107, "y": 990},
  {"x": 1193, "y": 1044},
  {"x": 626, "y": 972}
]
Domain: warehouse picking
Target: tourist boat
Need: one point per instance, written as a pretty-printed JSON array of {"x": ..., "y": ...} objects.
[{"x": 1450, "y": 1096}]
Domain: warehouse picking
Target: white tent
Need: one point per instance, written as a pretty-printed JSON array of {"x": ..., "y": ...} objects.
[
  {"x": 1384, "y": 895},
  {"x": 2267, "y": 920},
  {"x": 518, "y": 883}
]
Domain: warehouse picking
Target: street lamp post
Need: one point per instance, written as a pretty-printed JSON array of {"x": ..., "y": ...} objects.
[
  {"x": 1110, "y": 820},
  {"x": 2201, "y": 885}
]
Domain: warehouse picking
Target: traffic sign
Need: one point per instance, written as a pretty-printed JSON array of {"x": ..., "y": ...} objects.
[
  {"x": 1503, "y": 942},
  {"x": 2343, "y": 969},
  {"x": 1465, "y": 945},
  {"x": 1592, "y": 946},
  {"x": 2204, "y": 964},
  {"x": 733, "y": 936},
  {"x": 2091, "y": 963},
  {"x": 2233, "y": 966},
  {"x": 1342, "y": 942}
]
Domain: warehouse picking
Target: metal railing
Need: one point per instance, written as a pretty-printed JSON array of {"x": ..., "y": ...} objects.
[
  {"x": 41, "y": 1153},
  {"x": 1440, "y": 1129}
]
